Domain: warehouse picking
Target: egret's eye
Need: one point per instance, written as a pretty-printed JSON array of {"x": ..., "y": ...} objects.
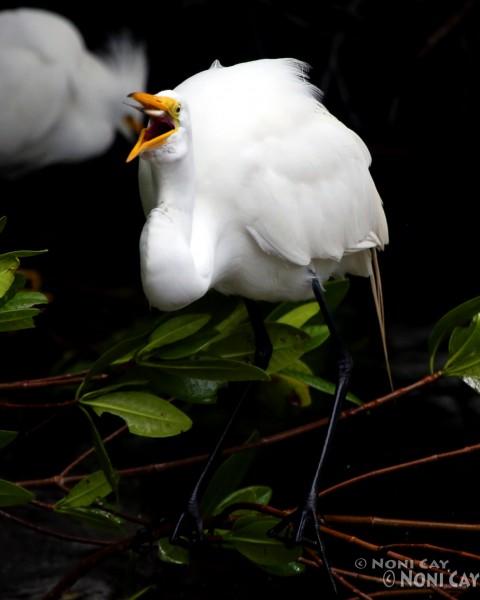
[{"x": 177, "y": 109}]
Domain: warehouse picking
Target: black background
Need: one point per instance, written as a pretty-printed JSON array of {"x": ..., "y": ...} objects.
[{"x": 403, "y": 75}]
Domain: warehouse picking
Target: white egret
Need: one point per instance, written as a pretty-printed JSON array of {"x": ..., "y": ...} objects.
[
  {"x": 58, "y": 101},
  {"x": 250, "y": 186}
]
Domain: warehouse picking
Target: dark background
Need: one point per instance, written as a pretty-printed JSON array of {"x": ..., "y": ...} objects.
[{"x": 402, "y": 74}]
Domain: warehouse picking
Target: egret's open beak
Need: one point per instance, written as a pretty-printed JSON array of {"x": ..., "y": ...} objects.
[{"x": 163, "y": 112}]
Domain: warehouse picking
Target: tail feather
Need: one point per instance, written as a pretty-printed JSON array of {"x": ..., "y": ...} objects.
[{"x": 377, "y": 293}]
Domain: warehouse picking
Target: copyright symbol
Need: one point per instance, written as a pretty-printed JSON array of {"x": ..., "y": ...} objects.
[
  {"x": 388, "y": 579},
  {"x": 360, "y": 563}
]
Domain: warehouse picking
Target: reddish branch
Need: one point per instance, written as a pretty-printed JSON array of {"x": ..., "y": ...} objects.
[
  {"x": 55, "y": 380},
  {"x": 260, "y": 443},
  {"x": 404, "y": 523},
  {"x": 51, "y": 532},
  {"x": 400, "y": 467}
]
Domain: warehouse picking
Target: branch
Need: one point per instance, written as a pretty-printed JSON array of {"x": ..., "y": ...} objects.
[
  {"x": 20, "y": 405},
  {"x": 407, "y": 523},
  {"x": 92, "y": 560},
  {"x": 91, "y": 450},
  {"x": 55, "y": 380},
  {"x": 52, "y": 533},
  {"x": 400, "y": 467},
  {"x": 260, "y": 443}
]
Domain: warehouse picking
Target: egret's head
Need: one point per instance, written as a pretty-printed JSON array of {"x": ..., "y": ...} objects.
[{"x": 165, "y": 137}]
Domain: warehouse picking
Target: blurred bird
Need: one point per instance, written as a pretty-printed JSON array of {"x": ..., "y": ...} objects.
[
  {"x": 250, "y": 186},
  {"x": 59, "y": 102}
]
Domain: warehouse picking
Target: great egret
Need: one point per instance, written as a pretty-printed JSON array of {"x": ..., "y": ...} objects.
[
  {"x": 58, "y": 101},
  {"x": 250, "y": 186}
]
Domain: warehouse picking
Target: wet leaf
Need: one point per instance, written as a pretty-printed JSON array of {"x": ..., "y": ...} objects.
[
  {"x": 8, "y": 267},
  {"x": 288, "y": 344},
  {"x": 227, "y": 478},
  {"x": 13, "y": 495},
  {"x": 110, "y": 356},
  {"x": 86, "y": 491},
  {"x": 145, "y": 414},
  {"x": 464, "y": 351},
  {"x": 173, "y": 330},
  {"x": 102, "y": 455},
  {"x": 93, "y": 517},
  {"x": 172, "y": 554},
  {"x": 318, "y": 383},
  {"x": 249, "y": 536},
  {"x": 213, "y": 369},
  {"x": 460, "y": 315},
  {"x": 6, "y": 437},
  {"x": 257, "y": 494}
]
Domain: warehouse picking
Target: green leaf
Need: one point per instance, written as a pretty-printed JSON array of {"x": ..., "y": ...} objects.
[
  {"x": 335, "y": 292},
  {"x": 17, "y": 313},
  {"x": 317, "y": 383},
  {"x": 86, "y": 491},
  {"x": 8, "y": 267},
  {"x": 24, "y": 299},
  {"x": 145, "y": 414},
  {"x": 173, "y": 330},
  {"x": 3, "y": 222},
  {"x": 107, "y": 358},
  {"x": 169, "y": 553},
  {"x": 319, "y": 334},
  {"x": 94, "y": 517},
  {"x": 6, "y": 437},
  {"x": 300, "y": 315},
  {"x": 188, "y": 389},
  {"x": 287, "y": 570},
  {"x": 249, "y": 536},
  {"x": 288, "y": 344},
  {"x": 213, "y": 369},
  {"x": 102, "y": 455},
  {"x": 13, "y": 495},
  {"x": 460, "y": 315},
  {"x": 22, "y": 253},
  {"x": 464, "y": 351},
  {"x": 228, "y": 477},
  {"x": 258, "y": 494},
  {"x": 237, "y": 316},
  {"x": 140, "y": 593},
  {"x": 188, "y": 347}
]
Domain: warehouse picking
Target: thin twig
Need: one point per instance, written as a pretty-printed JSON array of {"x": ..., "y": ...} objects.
[
  {"x": 52, "y": 533},
  {"x": 434, "y": 548},
  {"x": 349, "y": 585},
  {"x": 91, "y": 450},
  {"x": 404, "y": 523},
  {"x": 450, "y": 24},
  {"x": 92, "y": 560},
  {"x": 400, "y": 467},
  {"x": 55, "y": 380},
  {"x": 35, "y": 405}
]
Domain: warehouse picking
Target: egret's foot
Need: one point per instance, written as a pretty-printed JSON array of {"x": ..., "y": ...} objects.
[
  {"x": 189, "y": 530},
  {"x": 302, "y": 526}
]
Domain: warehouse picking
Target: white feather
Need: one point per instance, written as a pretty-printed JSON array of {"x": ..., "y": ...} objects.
[
  {"x": 280, "y": 189},
  {"x": 59, "y": 102}
]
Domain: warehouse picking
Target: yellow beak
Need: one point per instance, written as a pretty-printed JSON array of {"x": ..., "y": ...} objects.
[{"x": 150, "y": 105}]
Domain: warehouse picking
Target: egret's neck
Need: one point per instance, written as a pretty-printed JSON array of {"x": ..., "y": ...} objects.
[
  {"x": 176, "y": 268},
  {"x": 174, "y": 184}
]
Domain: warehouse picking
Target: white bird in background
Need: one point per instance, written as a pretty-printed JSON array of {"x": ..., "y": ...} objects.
[
  {"x": 250, "y": 186},
  {"x": 59, "y": 102}
]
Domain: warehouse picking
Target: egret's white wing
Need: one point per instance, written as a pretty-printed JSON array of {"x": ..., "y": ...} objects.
[{"x": 267, "y": 149}]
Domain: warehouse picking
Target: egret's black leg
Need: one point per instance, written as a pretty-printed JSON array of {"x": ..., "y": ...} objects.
[
  {"x": 190, "y": 520},
  {"x": 307, "y": 514}
]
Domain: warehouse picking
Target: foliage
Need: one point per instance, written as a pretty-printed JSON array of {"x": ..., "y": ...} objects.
[{"x": 16, "y": 303}]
